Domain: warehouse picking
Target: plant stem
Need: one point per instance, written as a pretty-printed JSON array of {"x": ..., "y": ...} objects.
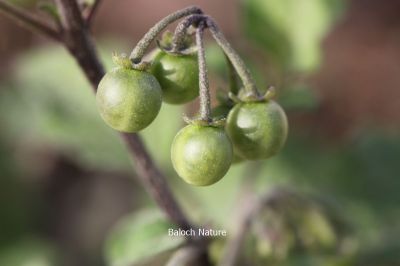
[
  {"x": 240, "y": 67},
  {"x": 154, "y": 181},
  {"x": 77, "y": 40},
  {"x": 28, "y": 20},
  {"x": 79, "y": 43},
  {"x": 181, "y": 31},
  {"x": 205, "y": 98},
  {"x": 140, "y": 49},
  {"x": 237, "y": 63},
  {"x": 92, "y": 12}
]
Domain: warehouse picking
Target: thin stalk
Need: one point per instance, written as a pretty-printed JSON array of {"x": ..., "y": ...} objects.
[
  {"x": 142, "y": 46},
  {"x": 237, "y": 62},
  {"x": 181, "y": 31},
  {"x": 205, "y": 98}
]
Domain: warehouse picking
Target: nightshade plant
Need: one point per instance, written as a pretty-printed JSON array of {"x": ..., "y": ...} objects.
[{"x": 128, "y": 98}]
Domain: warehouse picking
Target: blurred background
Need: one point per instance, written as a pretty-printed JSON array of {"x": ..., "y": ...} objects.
[{"x": 68, "y": 193}]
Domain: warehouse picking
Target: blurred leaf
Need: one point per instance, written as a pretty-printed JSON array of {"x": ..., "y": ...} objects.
[
  {"x": 364, "y": 168},
  {"x": 140, "y": 237},
  {"x": 291, "y": 30},
  {"x": 54, "y": 106},
  {"x": 386, "y": 253},
  {"x": 298, "y": 98},
  {"x": 216, "y": 60},
  {"x": 18, "y": 204},
  {"x": 292, "y": 223},
  {"x": 317, "y": 230},
  {"x": 216, "y": 249},
  {"x": 217, "y": 64},
  {"x": 362, "y": 174},
  {"x": 28, "y": 253}
]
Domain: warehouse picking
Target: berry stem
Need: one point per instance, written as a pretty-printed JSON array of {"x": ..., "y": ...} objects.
[
  {"x": 205, "y": 98},
  {"x": 181, "y": 31},
  {"x": 140, "y": 49},
  {"x": 249, "y": 84},
  {"x": 241, "y": 69}
]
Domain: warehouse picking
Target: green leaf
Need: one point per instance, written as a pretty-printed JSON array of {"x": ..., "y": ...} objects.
[
  {"x": 139, "y": 238},
  {"x": 54, "y": 106},
  {"x": 291, "y": 30}
]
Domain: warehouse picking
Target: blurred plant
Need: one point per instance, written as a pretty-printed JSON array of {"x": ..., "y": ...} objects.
[
  {"x": 141, "y": 238},
  {"x": 279, "y": 227},
  {"x": 289, "y": 33}
]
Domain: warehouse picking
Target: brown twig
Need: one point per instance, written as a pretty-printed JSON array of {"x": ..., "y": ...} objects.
[
  {"x": 29, "y": 20},
  {"x": 154, "y": 181},
  {"x": 78, "y": 41},
  {"x": 76, "y": 38}
]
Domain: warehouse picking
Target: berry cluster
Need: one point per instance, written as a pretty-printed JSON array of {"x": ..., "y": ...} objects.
[{"x": 245, "y": 125}]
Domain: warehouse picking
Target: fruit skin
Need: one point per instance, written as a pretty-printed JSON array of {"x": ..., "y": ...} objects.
[
  {"x": 128, "y": 100},
  {"x": 258, "y": 130},
  {"x": 201, "y": 155},
  {"x": 178, "y": 76}
]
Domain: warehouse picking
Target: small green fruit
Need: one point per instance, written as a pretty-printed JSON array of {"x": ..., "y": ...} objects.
[
  {"x": 178, "y": 76},
  {"x": 258, "y": 130},
  {"x": 128, "y": 100},
  {"x": 201, "y": 155}
]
